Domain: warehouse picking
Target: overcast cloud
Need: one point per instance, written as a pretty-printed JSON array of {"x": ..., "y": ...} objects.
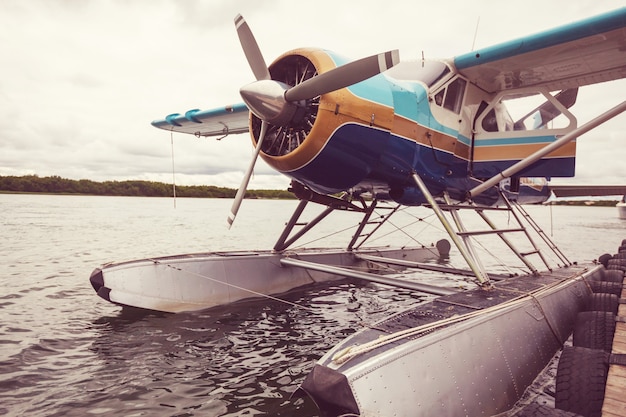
[{"x": 82, "y": 80}]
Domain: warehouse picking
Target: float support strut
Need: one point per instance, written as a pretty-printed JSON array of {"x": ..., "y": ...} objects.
[
  {"x": 283, "y": 243},
  {"x": 481, "y": 275}
]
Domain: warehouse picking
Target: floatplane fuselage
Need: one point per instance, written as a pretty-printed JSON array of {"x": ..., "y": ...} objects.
[
  {"x": 483, "y": 129},
  {"x": 417, "y": 117}
]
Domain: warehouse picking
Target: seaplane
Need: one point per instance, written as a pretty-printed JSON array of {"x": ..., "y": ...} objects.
[{"x": 377, "y": 135}]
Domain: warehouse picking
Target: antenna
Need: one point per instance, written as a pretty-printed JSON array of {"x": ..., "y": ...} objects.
[
  {"x": 173, "y": 170},
  {"x": 475, "y": 33}
]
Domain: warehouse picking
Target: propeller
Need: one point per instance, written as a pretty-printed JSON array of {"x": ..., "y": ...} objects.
[
  {"x": 251, "y": 49},
  {"x": 246, "y": 178},
  {"x": 275, "y": 102},
  {"x": 343, "y": 76},
  {"x": 261, "y": 72}
]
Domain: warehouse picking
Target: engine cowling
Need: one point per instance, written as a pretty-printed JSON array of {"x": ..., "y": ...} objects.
[{"x": 333, "y": 141}]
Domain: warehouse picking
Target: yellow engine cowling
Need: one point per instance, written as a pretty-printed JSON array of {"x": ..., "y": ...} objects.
[{"x": 290, "y": 148}]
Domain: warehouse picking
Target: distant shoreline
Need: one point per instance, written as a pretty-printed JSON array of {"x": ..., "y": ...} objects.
[
  {"x": 54, "y": 185},
  {"x": 33, "y": 184}
]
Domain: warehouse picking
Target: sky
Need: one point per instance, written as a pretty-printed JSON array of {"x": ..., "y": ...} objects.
[{"x": 82, "y": 80}]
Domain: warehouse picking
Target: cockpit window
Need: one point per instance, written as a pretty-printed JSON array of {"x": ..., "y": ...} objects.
[
  {"x": 451, "y": 96},
  {"x": 454, "y": 96},
  {"x": 439, "y": 97}
]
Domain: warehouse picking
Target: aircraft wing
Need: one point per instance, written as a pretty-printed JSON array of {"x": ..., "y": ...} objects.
[
  {"x": 216, "y": 122},
  {"x": 587, "y": 190},
  {"x": 586, "y": 52}
]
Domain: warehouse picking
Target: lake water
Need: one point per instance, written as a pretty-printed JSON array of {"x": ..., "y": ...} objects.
[{"x": 66, "y": 352}]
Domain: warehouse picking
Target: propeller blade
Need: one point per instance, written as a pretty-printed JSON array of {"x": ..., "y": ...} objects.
[
  {"x": 246, "y": 179},
  {"x": 343, "y": 76},
  {"x": 251, "y": 49}
]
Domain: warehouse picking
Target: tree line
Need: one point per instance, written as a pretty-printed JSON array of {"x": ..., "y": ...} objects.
[{"x": 58, "y": 185}]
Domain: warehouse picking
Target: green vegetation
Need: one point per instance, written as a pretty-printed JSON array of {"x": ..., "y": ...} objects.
[
  {"x": 595, "y": 203},
  {"x": 58, "y": 185}
]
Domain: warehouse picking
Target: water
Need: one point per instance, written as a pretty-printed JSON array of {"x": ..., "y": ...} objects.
[{"x": 64, "y": 351}]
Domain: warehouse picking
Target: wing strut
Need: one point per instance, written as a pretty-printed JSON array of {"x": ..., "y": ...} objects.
[{"x": 524, "y": 163}]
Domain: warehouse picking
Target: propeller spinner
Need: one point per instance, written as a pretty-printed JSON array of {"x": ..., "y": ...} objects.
[{"x": 276, "y": 103}]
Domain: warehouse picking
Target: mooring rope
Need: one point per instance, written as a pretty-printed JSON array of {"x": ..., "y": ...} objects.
[
  {"x": 351, "y": 352},
  {"x": 361, "y": 322},
  {"x": 260, "y": 294}
]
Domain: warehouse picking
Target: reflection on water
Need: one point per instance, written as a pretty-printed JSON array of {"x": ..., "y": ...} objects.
[
  {"x": 218, "y": 362},
  {"x": 245, "y": 359},
  {"x": 64, "y": 351}
]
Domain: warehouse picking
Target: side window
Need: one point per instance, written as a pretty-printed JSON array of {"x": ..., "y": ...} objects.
[
  {"x": 534, "y": 110},
  {"x": 490, "y": 124},
  {"x": 451, "y": 97},
  {"x": 498, "y": 120}
]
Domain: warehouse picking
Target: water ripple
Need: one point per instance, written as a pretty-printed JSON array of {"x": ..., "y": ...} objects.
[{"x": 65, "y": 352}]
